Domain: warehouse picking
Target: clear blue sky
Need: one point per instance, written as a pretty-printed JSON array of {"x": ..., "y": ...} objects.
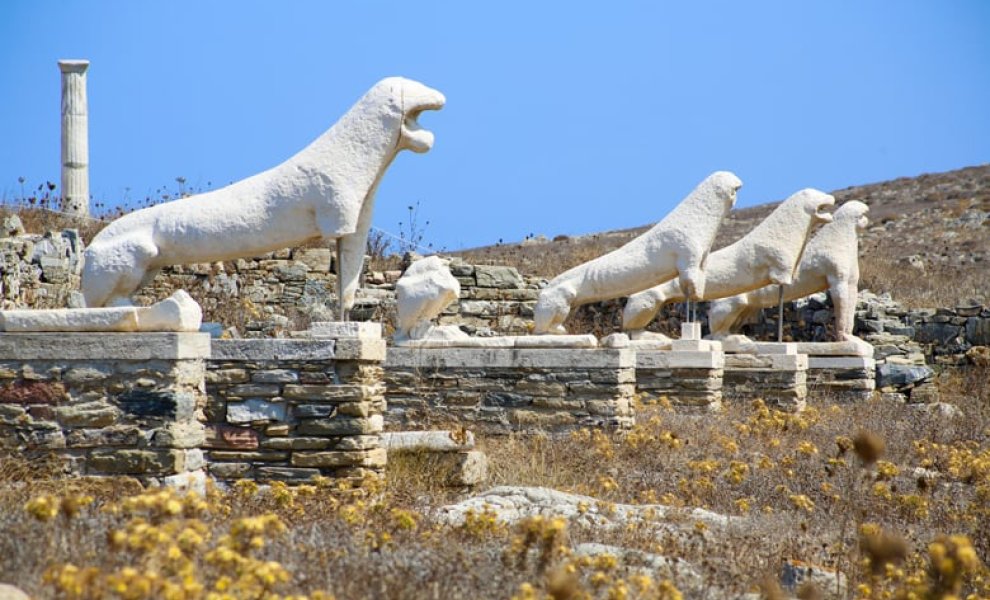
[{"x": 564, "y": 117}]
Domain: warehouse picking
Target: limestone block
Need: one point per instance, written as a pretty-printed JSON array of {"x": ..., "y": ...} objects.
[
  {"x": 493, "y": 358},
  {"x": 341, "y": 426},
  {"x": 676, "y": 246},
  {"x": 696, "y": 360},
  {"x": 497, "y": 277},
  {"x": 465, "y": 468},
  {"x": 286, "y": 473},
  {"x": 228, "y": 437},
  {"x": 179, "y": 312},
  {"x": 325, "y": 191},
  {"x": 255, "y": 410},
  {"x": 297, "y": 443},
  {"x": 842, "y": 363},
  {"x": 346, "y": 329},
  {"x": 89, "y": 414},
  {"x": 376, "y": 457},
  {"x": 104, "y": 346},
  {"x": 226, "y": 471},
  {"x": 272, "y": 349},
  {"x": 845, "y": 348}
]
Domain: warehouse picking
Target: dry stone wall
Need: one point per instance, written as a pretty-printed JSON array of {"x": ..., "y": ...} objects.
[
  {"x": 497, "y": 390},
  {"x": 295, "y": 409},
  {"x": 105, "y": 404},
  {"x": 38, "y": 271}
]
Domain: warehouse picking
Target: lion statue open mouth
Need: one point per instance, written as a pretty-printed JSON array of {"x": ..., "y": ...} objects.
[{"x": 326, "y": 191}]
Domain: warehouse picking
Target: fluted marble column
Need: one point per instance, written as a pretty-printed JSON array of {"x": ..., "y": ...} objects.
[{"x": 75, "y": 137}]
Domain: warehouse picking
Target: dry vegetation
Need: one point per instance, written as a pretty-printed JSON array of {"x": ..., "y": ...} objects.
[{"x": 902, "y": 511}]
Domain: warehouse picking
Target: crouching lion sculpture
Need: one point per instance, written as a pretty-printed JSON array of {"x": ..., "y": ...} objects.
[
  {"x": 767, "y": 254},
  {"x": 830, "y": 262},
  {"x": 326, "y": 191},
  {"x": 676, "y": 246}
]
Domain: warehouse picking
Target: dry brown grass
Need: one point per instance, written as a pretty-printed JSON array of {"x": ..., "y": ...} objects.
[{"x": 795, "y": 479}]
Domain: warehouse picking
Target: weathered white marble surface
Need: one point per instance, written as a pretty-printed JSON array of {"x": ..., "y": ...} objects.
[
  {"x": 767, "y": 254},
  {"x": 421, "y": 294},
  {"x": 829, "y": 262},
  {"x": 178, "y": 312},
  {"x": 674, "y": 247},
  {"x": 326, "y": 191},
  {"x": 502, "y": 341}
]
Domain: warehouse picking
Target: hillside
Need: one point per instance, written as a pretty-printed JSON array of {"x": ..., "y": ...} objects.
[{"x": 928, "y": 243}]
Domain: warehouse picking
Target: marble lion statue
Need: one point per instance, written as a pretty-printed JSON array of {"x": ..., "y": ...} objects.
[
  {"x": 767, "y": 254},
  {"x": 325, "y": 192},
  {"x": 674, "y": 247},
  {"x": 830, "y": 262}
]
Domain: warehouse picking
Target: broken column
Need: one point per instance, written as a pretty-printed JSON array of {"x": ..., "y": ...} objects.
[{"x": 75, "y": 138}]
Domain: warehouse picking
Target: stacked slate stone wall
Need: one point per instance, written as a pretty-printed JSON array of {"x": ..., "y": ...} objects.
[
  {"x": 691, "y": 381},
  {"x": 295, "y": 409},
  {"x": 105, "y": 403},
  {"x": 780, "y": 379},
  {"x": 38, "y": 271},
  {"x": 496, "y": 390}
]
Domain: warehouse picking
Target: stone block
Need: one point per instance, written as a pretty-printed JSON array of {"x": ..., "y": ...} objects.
[
  {"x": 286, "y": 473},
  {"x": 259, "y": 390},
  {"x": 346, "y": 329},
  {"x": 314, "y": 411},
  {"x": 275, "y": 376},
  {"x": 316, "y": 259},
  {"x": 841, "y": 362},
  {"x": 229, "y": 470},
  {"x": 696, "y": 360},
  {"x": 246, "y": 350},
  {"x": 508, "y": 358},
  {"x": 157, "y": 403},
  {"x": 140, "y": 462},
  {"x": 248, "y": 455},
  {"x": 118, "y": 435},
  {"x": 332, "y": 393},
  {"x": 255, "y": 410},
  {"x": 186, "y": 434},
  {"x": 104, "y": 346},
  {"x": 497, "y": 277},
  {"x": 297, "y": 443},
  {"x": 90, "y": 414},
  {"x": 341, "y": 426},
  {"x": 222, "y": 436},
  {"x": 374, "y": 458}
]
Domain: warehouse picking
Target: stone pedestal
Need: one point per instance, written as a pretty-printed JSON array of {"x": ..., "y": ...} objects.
[
  {"x": 840, "y": 371},
  {"x": 777, "y": 373},
  {"x": 292, "y": 410},
  {"x": 501, "y": 390},
  {"x": 105, "y": 403},
  {"x": 690, "y": 379},
  {"x": 842, "y": 378},
  {"x": 75, "y": 137}
]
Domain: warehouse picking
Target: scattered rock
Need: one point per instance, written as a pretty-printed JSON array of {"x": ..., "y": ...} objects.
[{"x": 511, "y": 504}]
